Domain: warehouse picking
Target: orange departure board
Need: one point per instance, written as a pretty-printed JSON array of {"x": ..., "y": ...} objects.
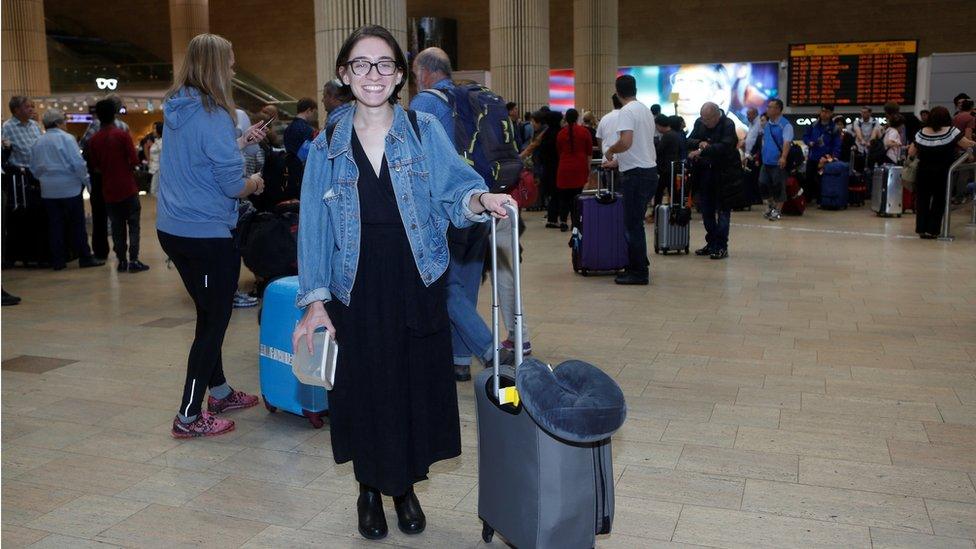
[{"x": 852, "y": 73}]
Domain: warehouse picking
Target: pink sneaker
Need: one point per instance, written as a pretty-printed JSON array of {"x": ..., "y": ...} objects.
[
  {"x": 236, "y": 400},
  {"x": 204, "y": 426},
  {"x": 510, "y": 345}
]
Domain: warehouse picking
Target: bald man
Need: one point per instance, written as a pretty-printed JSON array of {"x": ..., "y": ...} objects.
[{"x": 714, "y": 157}]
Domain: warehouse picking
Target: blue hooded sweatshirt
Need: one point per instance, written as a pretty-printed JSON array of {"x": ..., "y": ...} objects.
[{"x": 201, "y": 170}]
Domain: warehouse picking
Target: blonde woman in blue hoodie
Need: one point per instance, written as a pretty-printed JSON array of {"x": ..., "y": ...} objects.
[{"x": 200, "y": 181}]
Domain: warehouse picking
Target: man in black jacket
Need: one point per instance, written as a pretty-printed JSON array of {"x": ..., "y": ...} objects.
[{"x": 714, "y": 157}]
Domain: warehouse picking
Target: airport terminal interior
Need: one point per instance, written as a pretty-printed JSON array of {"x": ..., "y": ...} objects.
[{"x": 815, "y": 386}]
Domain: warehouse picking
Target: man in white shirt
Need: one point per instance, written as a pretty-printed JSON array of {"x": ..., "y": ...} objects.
[
  {"x": 863, "y": 129},
  {"x": 633, "y": 154},
  {"x": 606, "y": 130}
]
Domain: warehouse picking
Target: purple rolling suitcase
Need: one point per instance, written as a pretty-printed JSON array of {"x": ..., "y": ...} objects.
[{"x": 598, "y": 242}]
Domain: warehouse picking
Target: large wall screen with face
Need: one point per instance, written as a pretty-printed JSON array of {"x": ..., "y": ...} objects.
[{"x": 732, "y": 86}]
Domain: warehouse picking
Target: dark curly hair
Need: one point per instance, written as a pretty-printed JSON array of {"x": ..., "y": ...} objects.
[{"x": 383, "y": 34}]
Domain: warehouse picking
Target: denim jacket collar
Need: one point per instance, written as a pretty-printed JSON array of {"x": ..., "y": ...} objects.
[{"x": 342, "y": 135}]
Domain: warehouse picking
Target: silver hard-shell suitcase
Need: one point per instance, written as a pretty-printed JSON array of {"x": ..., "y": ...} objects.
[
  {"x": 535, "y": 490},
  {"x": 886, "y": 191},
  {"x": 671, "y": 236}
]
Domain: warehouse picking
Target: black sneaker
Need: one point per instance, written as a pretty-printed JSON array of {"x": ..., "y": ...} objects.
[
  {"x": 720, "y": 254},
  {"x": 137, "y": 266},
  {"x": 563, "y": 227},
  {"x": 462, "y": 372},
  {"x": 86, "y": 263},
  {"x": 123, "y": 266},
  {"x": 633, "y": 279},
  {"x": 552, "y": 225},
  {"x": 9, "y": 299},
  {"x": 703, "y": 251}
]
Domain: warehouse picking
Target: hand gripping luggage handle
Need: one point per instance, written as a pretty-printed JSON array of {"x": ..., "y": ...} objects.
[{"x": 510, "y": 395}]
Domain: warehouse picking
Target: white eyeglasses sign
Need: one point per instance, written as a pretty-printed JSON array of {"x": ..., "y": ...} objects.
[{"x": 107, "y": 83}]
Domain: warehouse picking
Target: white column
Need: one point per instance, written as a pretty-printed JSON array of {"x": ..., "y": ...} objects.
[
  {"x": 24, "y": 42},
  {"x": 336, "y": 19},
  {"x": 595, "y": 53},
  {"x": 519, "y": 41},
  {"x": 187, "y": 18}
]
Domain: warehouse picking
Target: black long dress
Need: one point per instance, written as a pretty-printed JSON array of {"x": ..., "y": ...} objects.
[
  {"x": 393, "y": 410},
  {"x": 936, "y": 153}
]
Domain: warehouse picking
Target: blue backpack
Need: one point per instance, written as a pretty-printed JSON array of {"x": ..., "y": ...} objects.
[{"x": 484, "y": 135}]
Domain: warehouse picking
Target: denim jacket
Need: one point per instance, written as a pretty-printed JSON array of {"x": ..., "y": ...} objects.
[{"x": 433, "y": 187}]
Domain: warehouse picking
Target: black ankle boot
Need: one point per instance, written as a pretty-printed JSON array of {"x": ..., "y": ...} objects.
[
  {"x": 372, "y": 520},
  {"x": 410, "y": 517}
]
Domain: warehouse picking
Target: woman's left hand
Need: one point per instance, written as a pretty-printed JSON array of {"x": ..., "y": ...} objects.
[
  {"x": 252, "y": 135},
  {"x": 493, "y": 203}
]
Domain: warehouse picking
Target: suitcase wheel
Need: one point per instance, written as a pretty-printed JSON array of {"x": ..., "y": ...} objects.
[
  {"x": 268, "y": 405},
  {"x": 315, "y": 418},
  {"x": 584, "y": 272},
  {"x": 687, "y": 250},
  {"x": 487, "y": 532}
]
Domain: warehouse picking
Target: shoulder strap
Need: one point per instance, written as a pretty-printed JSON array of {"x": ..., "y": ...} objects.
[{"x": 440, "y": 95}]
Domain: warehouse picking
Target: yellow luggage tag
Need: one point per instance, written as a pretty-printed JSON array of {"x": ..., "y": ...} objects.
[{"x": 508, "y": 395}]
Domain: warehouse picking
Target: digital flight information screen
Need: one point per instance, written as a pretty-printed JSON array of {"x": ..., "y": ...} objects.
[{"x": 852, "y": 73}]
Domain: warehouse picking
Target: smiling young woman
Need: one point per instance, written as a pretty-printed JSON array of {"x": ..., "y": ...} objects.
[{"x": 379, "y": 192}]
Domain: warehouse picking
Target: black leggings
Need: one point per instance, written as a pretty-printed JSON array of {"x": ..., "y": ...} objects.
[
  {"x": 210, "y": 268},
  {"x": 562, "y": 204},
  {"x": 930, "y": 202}
]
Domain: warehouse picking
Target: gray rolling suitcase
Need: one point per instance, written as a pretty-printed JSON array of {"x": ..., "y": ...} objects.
[
  {"x": 672, "y": 227},
  {"x": 535, "y": 490},
  {"x": 886, "y": 191}
]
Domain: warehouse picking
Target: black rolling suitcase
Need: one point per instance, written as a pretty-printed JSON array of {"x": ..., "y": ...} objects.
[{"x": 26, "y": 228}]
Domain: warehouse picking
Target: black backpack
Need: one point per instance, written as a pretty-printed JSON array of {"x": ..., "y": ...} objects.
[
  {"x": 484, "y": 135},
  {"x": 877, "y": 154}
]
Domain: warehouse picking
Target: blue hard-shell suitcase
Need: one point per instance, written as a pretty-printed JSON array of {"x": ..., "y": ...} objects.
[
  {"x": 834, "y": 185},
  {"x": 279, "y": 386}
]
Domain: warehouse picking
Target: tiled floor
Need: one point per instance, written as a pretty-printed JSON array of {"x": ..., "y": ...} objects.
[{"x": 817, "y": 389}]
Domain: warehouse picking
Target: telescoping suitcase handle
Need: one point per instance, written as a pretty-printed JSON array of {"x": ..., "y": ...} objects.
[
  {"x": 508, "y": 394},
  {"x": 684, "y": 181},
  {"x": 605, "y": 180}
]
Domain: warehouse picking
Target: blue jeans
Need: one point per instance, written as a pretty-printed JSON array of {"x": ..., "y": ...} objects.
[
  {"x": 716, "y": 220},
  {"x": 470, "y": 336},
  {"x": 638, "y": 186}
]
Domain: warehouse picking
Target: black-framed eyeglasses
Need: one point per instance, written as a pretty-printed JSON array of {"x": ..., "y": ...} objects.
[{"x": 361, "y": 67}]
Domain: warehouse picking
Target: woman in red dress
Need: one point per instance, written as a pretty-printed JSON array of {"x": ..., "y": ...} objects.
[{"x": 575, "y": 145}]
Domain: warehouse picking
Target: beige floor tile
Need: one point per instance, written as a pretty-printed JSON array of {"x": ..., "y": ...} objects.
[
  {"x": 907, "y": 393},
  {"x": 125, "y": 445},
  {"x": 771, "y": 398},
  {"x": 753, "y": 416},
  {"x": 58, "y": 541},
  {"x": 803, "y": 384},
  {"x": 274, "y": 466},
  {"x": 837, "y": 505},
  {"x": 172, "y": 487},
  {"x": 702, "y": 374},
  {"x": 706, "y": 434},
  {"x": 745, "y": 530},
  {"x": 964, "y": 414},
  {"x": 643, "y": 518},
  {"x": 259, "y": 501},
  {"x": 923, "y": 411},
  {"x": 445, "y": 491},
  {"x": 690, "y": 392},
  {"x": 164, "y": 527},
  {"x": 927, "y": 378},
  {"x": 882, "y": 538},
  {"x": 680, "y": 487},
  {"x": 648, "y": 454},
  {"x": 812, "y": 444},
  {"x": 826, "y": 372},
  {"x": 23, "y": 503},
  {"x": 16, "y": 536},
  {"x": 86, "y": 516},
  {"x": 200, "y": 455},
  {"x": 952, "y": 519},
  {"x": 277, "y": 537},
  {"x": 91, "y": 475},
  {"x": 854, "y": 425},
  {"x": 936, "y": 456},
  {"x": 641, "y": 430},
  {"x": 58, "y": 435},
  {"x": 951, "y": 434},
  {"x": 891, "y": 479},
  {"x": 738, "y": 463},
  {"x": 663, "y": 408},
  {"x": 18, "y": 460}
]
